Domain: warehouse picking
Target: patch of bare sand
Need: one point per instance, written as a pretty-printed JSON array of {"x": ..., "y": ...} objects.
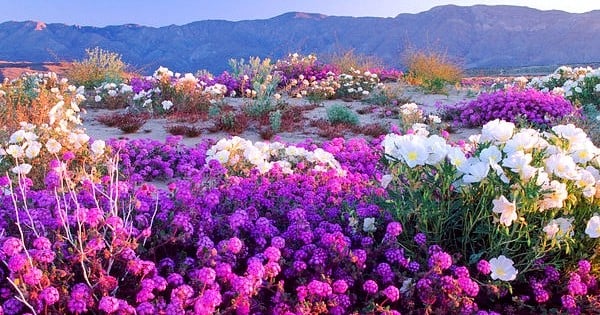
[{"x": 155, "y": 128}]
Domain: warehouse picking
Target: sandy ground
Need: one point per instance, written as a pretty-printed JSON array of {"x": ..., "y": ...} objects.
[{"x": 155, "y": 128}]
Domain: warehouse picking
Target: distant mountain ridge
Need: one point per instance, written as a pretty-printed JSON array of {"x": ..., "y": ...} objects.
[{"x": 481, "y": 36}]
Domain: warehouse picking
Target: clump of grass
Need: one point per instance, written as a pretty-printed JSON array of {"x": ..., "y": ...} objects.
[
  {"x": 340, "y": 114},
  {"x": 98, "y": 66},
  {"x": 431, "y": 70}
]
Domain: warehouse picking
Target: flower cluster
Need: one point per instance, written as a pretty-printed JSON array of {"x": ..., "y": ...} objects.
[
  {"x": 530, "y": 106},
  {"x": 580, "y": 85},
  {"x": 114, "y": 96},
  {"x": 241, "y": 156},
  {"x": 356, "y": 85},
  {"x": 545, "y": 188}
]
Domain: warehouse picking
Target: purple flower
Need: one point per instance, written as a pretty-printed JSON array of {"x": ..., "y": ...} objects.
[
  {"x": 569, "y": 302},
  {"x": 384, "y": 270},
  {"x": 575, "y": 286},
  {"x": 425, "y": 291},
  {"x": 33, "y": 276},
  {"x": 393, "y": 229},
  {"x": 17, "y": 262},
  {"x": 278, "y": 242},
  {"x": 551, "y": 274},
  {"x": 370, "y": 287},
  {"x": 12, "y": 306},
  {"x": 319, "y": 288},
  {"x": 12, "y": 246},
  {"x": 223, "y": 271},
  {"x": 234, "y": 245},
  {"x": 414, "y": 266},
  {"x": 584, "y": 267},
  {"x": 272, "y": 253},
  {"x": 145, "y": 308},
  {"x": 470, "y": 287},
  {"x": 108, "y": 304},
  {"x": 50, "y": 295},
  {"x": 207, "y": 275},
  {"x": 392, "y": 293},
  {"x": 484, "y": 267},
  {"x": 340, "y": 286},
  {"x": 182, "y": 294},
  {"x": 440, "y": 261}
]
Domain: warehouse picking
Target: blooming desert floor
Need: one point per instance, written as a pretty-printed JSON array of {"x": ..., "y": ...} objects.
[{"x": 368, "y": 114}]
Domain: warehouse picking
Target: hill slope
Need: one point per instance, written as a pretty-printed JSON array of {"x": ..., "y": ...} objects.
[{"x": 482, "y": 36}]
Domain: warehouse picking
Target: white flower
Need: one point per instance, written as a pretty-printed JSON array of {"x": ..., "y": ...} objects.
[
  {"x": 555, "y": 198},
  {"x": 434, "y": 119},
  {"x": 98, "y": 147},
  {"x": 559, "y": 228},
  {"x": 503, "y": 269},
  {"x": 22, "y": 169},
  {"x": 592, "y": 228},
  {"x": 16, "y": 151},
  {"x": 571, "y": 133},
  {"x": 222, "y": 156},
  {"x": 97, "y": 98},
  {"x": 584, "y": 152},
  {"x": 458, "y": 159},
  {"x": 438, "y": 149},
  {"x": 551, "y": 229},
  {"x": 369, "y": 225},
  {"x": 524, "y": 140},
  {"x": 562, "y": 166},
  {"x": 476, "y": 172},
  {"x": 518, "y": 162},
  {"x": 413, "y": 151},
  {"x": 506, "y": 209},
  {"x": 386, "y": 180},
  {"x": 491, "y": 155},
  {"x": 497, "y": 130},
  {"x": 112, "y": 93},
  {"x": 166, "y": 105},
  {"x": 17, "y": 136},
  {"x": 33, "y": 149},
  {"x": 53, "y": 146}
]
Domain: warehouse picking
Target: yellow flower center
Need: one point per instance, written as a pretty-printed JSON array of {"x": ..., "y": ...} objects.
[{"x": 411, "y": 156}]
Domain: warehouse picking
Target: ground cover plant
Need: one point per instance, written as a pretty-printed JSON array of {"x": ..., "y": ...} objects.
[
  {"x": 407, "y": 222},
  {"x": 529, "y": 106}
]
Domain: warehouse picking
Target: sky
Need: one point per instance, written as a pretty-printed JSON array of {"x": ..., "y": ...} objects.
[{"x": 166, "y": 12}]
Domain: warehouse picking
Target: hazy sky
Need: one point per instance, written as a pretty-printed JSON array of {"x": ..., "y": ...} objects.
[{"x": 166, "y": 12}]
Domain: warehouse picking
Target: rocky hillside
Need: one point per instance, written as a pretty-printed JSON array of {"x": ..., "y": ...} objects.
[{"x": 481, "y": 36}]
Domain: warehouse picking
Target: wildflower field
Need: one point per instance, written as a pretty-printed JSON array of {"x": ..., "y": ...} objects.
[{"x": 400, "y": 219}]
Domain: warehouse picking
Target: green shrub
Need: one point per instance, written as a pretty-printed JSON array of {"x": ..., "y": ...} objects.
[{"x": 340, "y": 114}]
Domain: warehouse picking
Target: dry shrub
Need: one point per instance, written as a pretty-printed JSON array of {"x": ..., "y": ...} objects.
[
  {"x": 431, "y": 70},
  {"x": 231, "y": 122},
  {"x": 30, "y": 98},
  {"x": 184, "y": 130},
  {"x": 372, "y": 130},
  {"x": 348, "y": 61},
  {"x": 126, "y": 122},
  {"x": 99, "y": 66}
]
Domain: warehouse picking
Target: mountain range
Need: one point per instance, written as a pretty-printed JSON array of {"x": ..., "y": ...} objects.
[{"x": 479, "y": 36}]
